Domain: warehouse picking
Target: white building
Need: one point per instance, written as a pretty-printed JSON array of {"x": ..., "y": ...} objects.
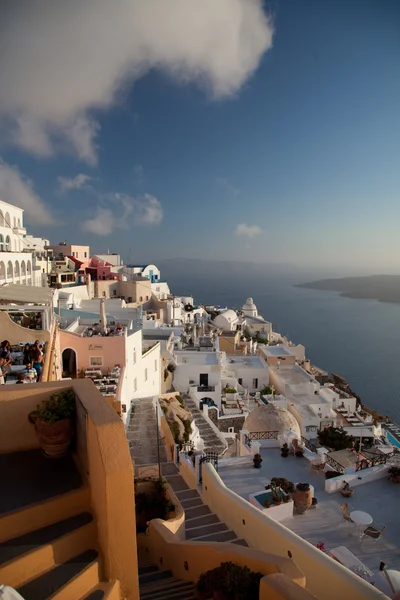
[
  {"x": 182, "y": 310},
  {"x": 16, "y": 259},
  {"x": 201, "y": 371},
  {"x": 227, "y": 320},
  {"x": 255, "y": 324}
]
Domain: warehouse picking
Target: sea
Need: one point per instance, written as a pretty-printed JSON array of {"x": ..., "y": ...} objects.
[{"x": 358, "y": 339}]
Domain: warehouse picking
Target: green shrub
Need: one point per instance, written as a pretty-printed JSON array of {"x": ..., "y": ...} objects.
[
  {"x": 60, "y": 406},
  {"x": 336, "y": 438}
]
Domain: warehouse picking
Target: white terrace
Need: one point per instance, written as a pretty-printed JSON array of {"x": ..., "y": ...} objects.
[{"x": 325, "y": 523}]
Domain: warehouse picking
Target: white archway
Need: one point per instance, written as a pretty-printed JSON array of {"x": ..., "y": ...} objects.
[
  {"x": 69, "y": 362},
  {"x": 7, "y": 220},
  {"x": 7, "y": 245},
  {"x": 1, "y": 242},
  {"x": 23, "y": 272},
  {"x": 10, "y": 271},
  {"x": 16, "y": 270},
  {"x": 1, "y": 219},
  {"x": 2, "y": 270}
]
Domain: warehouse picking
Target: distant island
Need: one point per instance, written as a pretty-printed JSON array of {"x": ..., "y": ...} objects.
[{"x": 384, "y": 288}]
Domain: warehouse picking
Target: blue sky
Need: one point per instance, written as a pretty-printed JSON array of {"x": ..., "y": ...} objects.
[{"x": 297, "y": 161}]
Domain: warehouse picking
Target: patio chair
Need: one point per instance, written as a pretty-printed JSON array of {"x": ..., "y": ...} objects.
[
  {"x": 373, "y": 533},
  {"x": 317, "y": 466},
  {"x": 346, "y": 513}
]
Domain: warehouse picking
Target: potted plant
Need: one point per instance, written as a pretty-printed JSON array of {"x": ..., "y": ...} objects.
[
  {"x": 229, "y": 582},
  {"x": 302, "y": 497},
  {"x": 285, "y": 450},
  {"x": 285, "y": 485},
  {"x": 257, "y": 460},
  {"x": 346, "y": 490},
  {"x": 54, "y": 423},
  {"x": 277, "y": 495},
  {"x": 394, "y": 473}
]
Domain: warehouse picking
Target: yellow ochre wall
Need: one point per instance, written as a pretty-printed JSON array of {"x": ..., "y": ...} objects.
[{"x": 110, "y": 469}]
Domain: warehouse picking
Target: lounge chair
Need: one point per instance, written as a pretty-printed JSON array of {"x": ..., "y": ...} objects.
[{"x": 373, "y": 533}]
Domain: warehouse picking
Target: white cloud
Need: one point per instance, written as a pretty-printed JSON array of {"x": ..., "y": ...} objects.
[
  {"x": 138, "y": 173},
  {"x": 16, "y": 189},
  {"x": 249, "y": 231},
  {"x": 71, "y": 62},
  {"x": 73, "y": 183},
  {"x": 126, "y": 211},
  {"x": 228, "y": 187}
]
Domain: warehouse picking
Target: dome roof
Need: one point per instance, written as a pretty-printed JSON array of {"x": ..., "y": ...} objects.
[
  {"x": 229, "y": 315},
  {"x": 249, "y": 305},
  {"x": 271, "y": 418}
]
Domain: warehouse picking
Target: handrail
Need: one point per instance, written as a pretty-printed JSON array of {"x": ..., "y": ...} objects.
[
  {"x": 309, "y": 445},
  {"x": 334, "y": 464}
]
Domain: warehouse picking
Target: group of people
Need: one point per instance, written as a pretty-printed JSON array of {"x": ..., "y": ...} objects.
[{"x": 33, "y": 361}]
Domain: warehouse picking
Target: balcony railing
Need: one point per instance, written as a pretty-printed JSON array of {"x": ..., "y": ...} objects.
[
  {"x": 263, "y": 435},
  {"x": 334, "y": 464},
  {"x": 367, "y": 463},
  {"x": 309, "y": 445},
  {"x": 206, "y": 388}
]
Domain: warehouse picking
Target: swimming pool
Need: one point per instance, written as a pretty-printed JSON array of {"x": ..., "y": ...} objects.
[{"x": 390, "y": 438}]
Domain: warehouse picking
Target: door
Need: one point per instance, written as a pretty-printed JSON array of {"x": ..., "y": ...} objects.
[{"x": 203, "y": 379}]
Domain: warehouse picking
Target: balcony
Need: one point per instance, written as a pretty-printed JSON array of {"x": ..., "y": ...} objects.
[
  {"x": 19, "y": 230},
  {"x": 206, "y": 388}
]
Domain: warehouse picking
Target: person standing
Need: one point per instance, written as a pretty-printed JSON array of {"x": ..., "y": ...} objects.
[
  {"x": 3, "y": 371},
  {"x": 27, "y": 354},
  {"x": 37, "y": 360}
]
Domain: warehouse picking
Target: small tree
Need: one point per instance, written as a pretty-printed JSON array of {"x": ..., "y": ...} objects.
[{"x": 336, "y": 438}]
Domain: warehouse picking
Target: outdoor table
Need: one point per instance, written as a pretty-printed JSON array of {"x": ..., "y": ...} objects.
[{"x": 361, "y": 519}]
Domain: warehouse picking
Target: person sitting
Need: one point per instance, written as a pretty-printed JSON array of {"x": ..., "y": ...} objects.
[
  {"x": 37, "y": 358},
  {"x": 20, "y": 378},
  {"x": 30, "y": 374}
]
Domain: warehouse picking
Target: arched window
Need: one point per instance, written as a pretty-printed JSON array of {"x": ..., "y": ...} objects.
[
  {"x": 9, "y": 270},
  {"x": 1, "y": 243},
  {"x": 23, "y": 270},
  {"x": 15, "y": 221},
  {"x": 16, "y": 270},
  {"x": 2, "y": 270},
  {"x": 28, "y": 268},
  {"x": 7, "y": 220},
  {"x": 7, "y": 247},
  {"x": 19, "y": 222},
  {"x": 1, "y": 219}
]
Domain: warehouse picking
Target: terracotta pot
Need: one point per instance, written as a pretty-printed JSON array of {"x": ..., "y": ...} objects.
[
  {"x": 302, "y": 500},
  {"x": 54, "y": 438}
]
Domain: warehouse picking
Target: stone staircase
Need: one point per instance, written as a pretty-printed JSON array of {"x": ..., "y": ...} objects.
[
  {"x": 159, "y": 585},
  {"x": 212, "y": 443},
  {"x": 142, "y": 433},
  {"x": 200, "y": 523},
  {"x": 48, "y": 536}
]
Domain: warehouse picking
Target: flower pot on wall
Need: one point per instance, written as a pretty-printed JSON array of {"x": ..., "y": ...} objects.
[{"x": 54, "y": 438}]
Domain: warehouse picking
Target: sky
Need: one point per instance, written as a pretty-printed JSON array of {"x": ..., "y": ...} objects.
[{"x": 220, "y": 129}]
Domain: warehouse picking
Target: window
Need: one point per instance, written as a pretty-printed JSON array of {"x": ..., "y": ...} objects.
[
  {"x": 145, "y": 374},
  {"x": 134, "y": 356},
  {"x": 255, "y": 383},
  {"x": 311, "y": 428},
  {"x": 135, "y": 385},
  {"x": 155, "y": 365},
  {"x": 147, "y": 297},
  {"x": 114, "y": 292},
  {"x": 141, "y": 299},
  {"x": 77, "y": 255},
  {"x": 96, "y": 361},
  {"x": 231, "y": 430},
  {"x": 240, "y": 381},
  {"x": 158, "y": 288},
  {"x": 73, "y": 254},
  {"x": 85, "y": 254}
]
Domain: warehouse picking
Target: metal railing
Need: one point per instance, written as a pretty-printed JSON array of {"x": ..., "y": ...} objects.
[
  {"x": 246, "y": 440},
  {"x": 263, "y": 435},
  {"x": 367, "y": 463},
  {"x": 334, "y": 464},
  {"x": 309, "y": 445},
  {"x": 209, "y": 457},
  {"x": 206, "y": 388}
]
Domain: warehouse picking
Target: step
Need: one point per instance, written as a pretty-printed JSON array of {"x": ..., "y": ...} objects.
[
  {"x": 201, "y": 520},
  {"x": 55, "y": 582},
  {"x": 177, "y": 483},
  {"x": 39, "y": 479},
  {"x": 156, "y": 576},
  {"x": 187, "y": 494},
  {"x": 110, "y": 590},
  {"x": 44, "y": 513},
  {"x": 240, "y": 542},
  {"x": 27, "y": 556},
  {"x": 162, "y": 587},
  {"x": 196, "y": 532},
  {"x": 197, "y": 511},
  {"x": 191, "y": 502},
  {"x": 181, "y": 591},
  {"x": 150, "y": 568},
  {"x": 169, "y": 469},
  {"x": 221, "y": 536}
]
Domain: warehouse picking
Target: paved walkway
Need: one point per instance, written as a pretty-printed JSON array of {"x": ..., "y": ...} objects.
[{"x": 142, "y": 433}]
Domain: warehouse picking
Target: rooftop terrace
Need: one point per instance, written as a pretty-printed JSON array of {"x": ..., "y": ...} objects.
[{"x": 325, "y": 523}]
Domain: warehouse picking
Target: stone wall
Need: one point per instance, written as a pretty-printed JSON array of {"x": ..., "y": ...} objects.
[{"x": 224, "y": 424}]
